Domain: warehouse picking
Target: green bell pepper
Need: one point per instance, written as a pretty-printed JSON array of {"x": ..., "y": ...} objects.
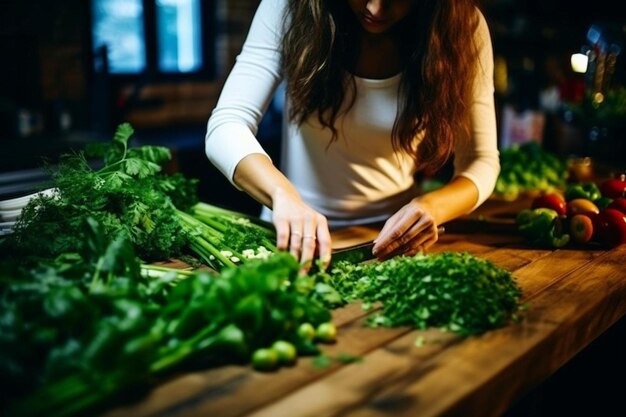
[
  {"x": 603, "y": 202},
  {"x": 541, "y": 227},
  {"x": 588, "y": 190}
]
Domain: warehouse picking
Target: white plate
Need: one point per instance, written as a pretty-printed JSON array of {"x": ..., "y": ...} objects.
[
  {"x": 6, "y": 228},
  {"x": 10, "y": 215},
  {"x": 19, "y": 202}
]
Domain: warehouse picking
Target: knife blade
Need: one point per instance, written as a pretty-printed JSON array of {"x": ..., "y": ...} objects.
[
  {"x": 355, "y": 253},
  {"x": 361, "y": 252}
]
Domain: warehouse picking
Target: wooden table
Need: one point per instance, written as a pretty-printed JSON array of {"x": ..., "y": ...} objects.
[{"x": 573, "y": 295}]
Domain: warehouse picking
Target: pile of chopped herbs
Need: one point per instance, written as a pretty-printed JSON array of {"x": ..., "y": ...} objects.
[
  {"x": 84, "y": 330},
  {"x": 452, "y": 291}
]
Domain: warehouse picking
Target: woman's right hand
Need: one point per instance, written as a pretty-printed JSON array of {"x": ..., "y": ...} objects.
[{"x": 300, "y": 229}]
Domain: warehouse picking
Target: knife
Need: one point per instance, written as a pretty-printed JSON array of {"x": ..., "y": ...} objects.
[
  {"x": 355, "y": 253},
  {"x": 361, "y": 252}
]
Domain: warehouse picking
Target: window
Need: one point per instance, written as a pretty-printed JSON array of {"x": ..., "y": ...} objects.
[
  {"x": 118, "y": 31},
  {"x": 179, "y": 35},
  {"x": 162, "y": 37}
]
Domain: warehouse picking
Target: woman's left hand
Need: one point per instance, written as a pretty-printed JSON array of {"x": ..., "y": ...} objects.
[{"x": 411, "y": 230}]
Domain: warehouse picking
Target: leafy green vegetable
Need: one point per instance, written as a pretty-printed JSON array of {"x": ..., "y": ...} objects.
[
  {"x": 541, "y": 227},
  {"x": 127, "y": 195},
  {"x": 159, "y": 213},
  {"x": 453, "y": 291},
  {"x": 224, "y": 238},
  {"x": 79, "y": 331},
  {"x": 529, "y": 167},
  {"x": 587, "y": 190}
]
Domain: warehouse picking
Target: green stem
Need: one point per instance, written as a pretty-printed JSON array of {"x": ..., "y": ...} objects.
[
  {"x": 207, "y": 241},
  {"x": 205, "y": 229},
  {"x": 215, "y": 252},
  {"x": 205, "y": 208},
  {"x": 198, "y": 250},
  {"x": 96, "y": 274},
  {"x": 182, "y": 351},
  {"x": 211, "y": 222},
  {"x": 107, "y": 168},
  {"x": 155, "y": 270},
  {"x": 269, "y": 245}
]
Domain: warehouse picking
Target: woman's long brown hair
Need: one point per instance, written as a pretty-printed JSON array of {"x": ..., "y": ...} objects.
[{"x": 438, "y": 44}]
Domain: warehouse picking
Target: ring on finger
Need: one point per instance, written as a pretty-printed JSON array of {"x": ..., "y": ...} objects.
[
  {"x": 309, "y": 237},
  {"x": 296, "y": 234}
]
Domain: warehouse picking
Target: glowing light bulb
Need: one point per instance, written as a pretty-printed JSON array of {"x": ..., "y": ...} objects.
[{"x": 579, "y": 62}]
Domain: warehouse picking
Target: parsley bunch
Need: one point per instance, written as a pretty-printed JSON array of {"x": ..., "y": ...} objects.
[
  {"x": 128, "y": 195},
  {"x": 453, "y": 291}
]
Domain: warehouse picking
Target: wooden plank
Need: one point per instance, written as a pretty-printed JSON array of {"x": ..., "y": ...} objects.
[
  {"x": 481, "y": 375},
  {"x": 545, "y": 271},
  {"x": 340, "y": 392}
]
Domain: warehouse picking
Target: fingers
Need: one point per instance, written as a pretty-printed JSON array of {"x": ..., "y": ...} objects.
[
  {"x": 324, "y": 242},
  {"x": 411, "y": 241},
  {"x": 315, "y": 240},
  {"x": 295, "y": 238},
  {"x": 309, "y": 243},
  {"x": 412, "y": 229},
  {"x": 417, "y": 238},
  {"x": 397, "y": 229},
  {"x": 418, "y": 245},
  {"x": 283, "y": 233},
  {"x": 304, "y": 236}
]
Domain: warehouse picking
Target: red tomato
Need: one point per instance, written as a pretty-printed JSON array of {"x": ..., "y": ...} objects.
[
  {"x": 611, "y": 227},
  {"x": 618, "y": 204},
  {"x": 615, "y": 187},
  {"x": 551, "y": 201},
  {"x": 581, "y": 206},
  {"x": 581, "y": 228}
]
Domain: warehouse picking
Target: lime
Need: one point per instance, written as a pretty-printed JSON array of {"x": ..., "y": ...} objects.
[
  {"x": 264, "y": 359},
  {"x": 326, "y": 332},
  {"x": 306, "y": 331},
  {"x": 286, "y": 352}
]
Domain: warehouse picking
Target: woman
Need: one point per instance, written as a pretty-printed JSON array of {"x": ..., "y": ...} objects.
[{"x": 376, "y": 91}]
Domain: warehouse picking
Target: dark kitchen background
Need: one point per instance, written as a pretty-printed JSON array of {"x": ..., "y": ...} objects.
[{"x": 72, "y": 70}]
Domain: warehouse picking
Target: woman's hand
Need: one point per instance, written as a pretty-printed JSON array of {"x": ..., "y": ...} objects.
[
  {"x": 300, "y": 229},
  {"x": 411, "y": 230}
]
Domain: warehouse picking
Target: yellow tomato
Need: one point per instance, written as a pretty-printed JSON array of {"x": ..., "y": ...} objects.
[{"x": 581, "y": 206}]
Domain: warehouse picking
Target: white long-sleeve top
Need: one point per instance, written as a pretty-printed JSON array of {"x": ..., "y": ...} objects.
[{"x": 359, "y": 177}]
